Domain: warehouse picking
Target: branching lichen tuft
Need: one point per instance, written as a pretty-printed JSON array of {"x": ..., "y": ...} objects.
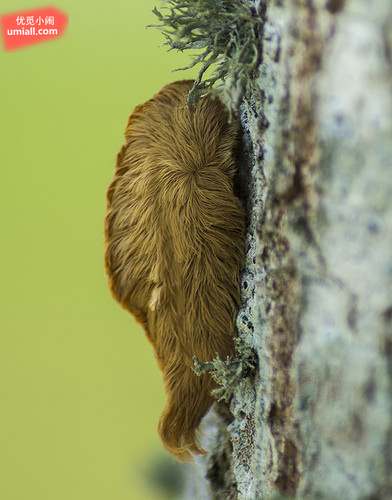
[
  {"x": 229, "y": 372},
  {"x": 225, "y": 32}
]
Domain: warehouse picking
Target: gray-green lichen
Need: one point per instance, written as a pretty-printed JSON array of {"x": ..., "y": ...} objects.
[
  {"x": 229, "y": 372},
  {"x": 225, "y": 34}
]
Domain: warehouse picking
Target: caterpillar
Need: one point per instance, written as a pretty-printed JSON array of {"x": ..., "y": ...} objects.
[{"x": 174, "y": 232}]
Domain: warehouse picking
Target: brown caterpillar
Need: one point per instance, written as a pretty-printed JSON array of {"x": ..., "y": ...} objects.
[{"x": 175, "y": 245}]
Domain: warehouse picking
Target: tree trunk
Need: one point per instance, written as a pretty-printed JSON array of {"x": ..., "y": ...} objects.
[{"x": 313, "y": 420}]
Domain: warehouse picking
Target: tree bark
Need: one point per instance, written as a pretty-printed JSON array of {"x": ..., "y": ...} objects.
[{"x": 314, "y": 419}]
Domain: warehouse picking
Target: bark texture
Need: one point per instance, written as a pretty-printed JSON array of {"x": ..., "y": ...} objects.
[{"x": 313, "y": 420}]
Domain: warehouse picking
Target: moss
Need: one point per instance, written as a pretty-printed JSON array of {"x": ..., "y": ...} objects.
[
  {"x": 228, "y": 373},
  {"x": 225, "y": 32}
]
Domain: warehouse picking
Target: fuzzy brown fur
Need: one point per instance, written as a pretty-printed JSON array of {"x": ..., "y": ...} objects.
[{"x": 175, "y": 246}]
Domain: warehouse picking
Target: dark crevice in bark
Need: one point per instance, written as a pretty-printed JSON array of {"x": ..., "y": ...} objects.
[{"x": 335, "y": 6}]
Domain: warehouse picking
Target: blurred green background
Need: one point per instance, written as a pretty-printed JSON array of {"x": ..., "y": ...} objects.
[{"x": 80, "y": 390}]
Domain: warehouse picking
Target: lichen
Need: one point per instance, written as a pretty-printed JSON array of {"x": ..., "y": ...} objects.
[
  {"x": 227, "y": 373},
  {"x": 225, "y": 32}
]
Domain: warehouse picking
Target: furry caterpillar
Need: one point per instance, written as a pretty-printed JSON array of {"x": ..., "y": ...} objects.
[{"x": 175, "y": 245}]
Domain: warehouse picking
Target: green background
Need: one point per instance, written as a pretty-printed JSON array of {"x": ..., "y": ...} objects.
[{"x": 80, "y": 390}]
